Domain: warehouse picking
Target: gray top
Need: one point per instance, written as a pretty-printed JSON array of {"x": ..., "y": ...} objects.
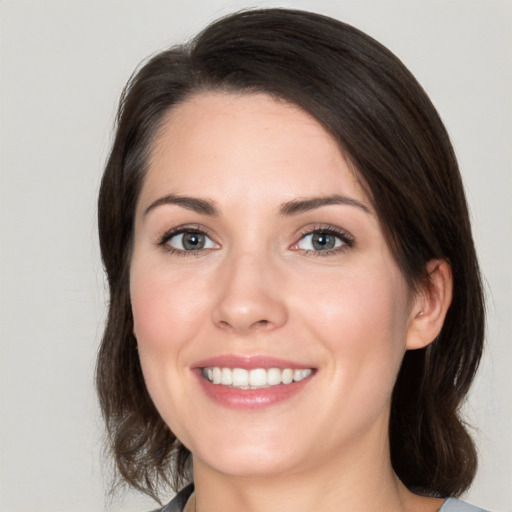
[
  {"x": 454, "y": 505},
  {"x": 177, "y": 504}
]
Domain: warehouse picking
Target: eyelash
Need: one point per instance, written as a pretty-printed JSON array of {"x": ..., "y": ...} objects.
[
  {"x": 346, "y": 238},
  {"x": 164, "y": 239}
]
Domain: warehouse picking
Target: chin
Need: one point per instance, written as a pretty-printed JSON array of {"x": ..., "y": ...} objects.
[{"x": 249, "y": 458}]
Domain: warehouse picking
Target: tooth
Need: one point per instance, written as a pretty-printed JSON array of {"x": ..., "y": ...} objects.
[
  {"x": 217, "y": 375},
  {"x": 258, "y": 377},
  {"x": 287, "y": 377},
  {"x": 273, "y": 376},
  {"x": 299, "y": 375},
  {"x": 227, "y": 377},
  {"x": 240, "y": 377},
  {"x": 255, "y": 378}
]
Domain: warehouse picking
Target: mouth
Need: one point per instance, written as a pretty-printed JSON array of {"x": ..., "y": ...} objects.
[
  {"x": 256, "y": 378},
  {"x": 252, "y": 383}
]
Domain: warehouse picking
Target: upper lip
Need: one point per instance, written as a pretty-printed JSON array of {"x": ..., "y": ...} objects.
[{"x": 249, "y": 362}]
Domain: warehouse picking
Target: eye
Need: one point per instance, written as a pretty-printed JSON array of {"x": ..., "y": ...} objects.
[
  {"x": 319, "y": 242},
  {"x": 324, "y": 240},
  {"x": 189, "y": 240}
]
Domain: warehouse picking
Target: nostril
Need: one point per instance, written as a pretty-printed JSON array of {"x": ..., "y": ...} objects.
[{"x": 260, "y": 323}]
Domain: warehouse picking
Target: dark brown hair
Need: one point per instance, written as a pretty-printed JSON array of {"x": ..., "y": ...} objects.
[{"x": 388, "y": 128}]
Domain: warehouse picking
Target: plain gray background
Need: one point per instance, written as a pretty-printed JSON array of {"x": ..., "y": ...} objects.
[{"x": 62, "y": 67}]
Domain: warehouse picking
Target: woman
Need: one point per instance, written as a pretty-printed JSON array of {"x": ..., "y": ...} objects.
[{"x": 296, "y": 310}]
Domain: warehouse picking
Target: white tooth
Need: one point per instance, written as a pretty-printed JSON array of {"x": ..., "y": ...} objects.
[
  {"x": 273, "y": 376},
  {"x": 287, "y": 376},
  {"x": 299, "y": 375},
  {"x": 217, "y": 373},
  {"x": 227, "y": 377},
  {"x": 240, "y": 377},
  {"x": 258, "y": 377}
]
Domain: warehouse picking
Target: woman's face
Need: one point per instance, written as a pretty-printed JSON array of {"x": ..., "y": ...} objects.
[{"x": 257, "y": 260}]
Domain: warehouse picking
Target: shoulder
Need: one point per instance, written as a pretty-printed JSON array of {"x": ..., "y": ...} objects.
[{"x": 455, "y": 505}]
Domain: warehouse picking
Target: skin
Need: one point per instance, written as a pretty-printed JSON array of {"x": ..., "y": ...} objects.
[{"x": 260, "y": 288}]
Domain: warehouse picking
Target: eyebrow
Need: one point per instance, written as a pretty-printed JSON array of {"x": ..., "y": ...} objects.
[
  {"x": 304, "y": 205},
  {"x": 204, "y": 206},
  {"x": 295, "y": 207}
]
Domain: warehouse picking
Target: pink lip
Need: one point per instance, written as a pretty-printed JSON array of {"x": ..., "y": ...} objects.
[
  {"x": 249, "y": 362},
  {"x": 249, "y": 399}
]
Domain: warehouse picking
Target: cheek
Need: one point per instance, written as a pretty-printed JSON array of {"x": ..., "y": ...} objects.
[
  {"x": 165, "y": 317},
  {"x": 165, "y": 310},
  {"x": 361, "y": 318},
  {"x": 351, "y": 306}
]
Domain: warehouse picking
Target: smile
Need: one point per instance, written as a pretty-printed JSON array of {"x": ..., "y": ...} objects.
[{"x": 256, "y": 378}]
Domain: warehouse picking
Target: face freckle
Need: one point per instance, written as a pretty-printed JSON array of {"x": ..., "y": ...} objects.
[{"x": 294, "y": 271}]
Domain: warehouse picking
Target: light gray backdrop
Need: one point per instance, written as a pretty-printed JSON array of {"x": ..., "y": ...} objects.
[{"x": 62, "y": 67}]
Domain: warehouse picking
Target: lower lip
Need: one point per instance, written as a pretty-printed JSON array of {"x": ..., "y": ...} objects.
[{"x": 251, "y": 399}]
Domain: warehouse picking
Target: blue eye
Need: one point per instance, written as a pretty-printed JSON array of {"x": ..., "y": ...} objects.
[
  {"x": 324, "y": 240},
  {"x": 190, "y": 241}
]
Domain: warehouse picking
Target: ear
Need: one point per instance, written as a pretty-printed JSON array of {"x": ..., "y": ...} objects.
[{"x": 430, "y": 305}]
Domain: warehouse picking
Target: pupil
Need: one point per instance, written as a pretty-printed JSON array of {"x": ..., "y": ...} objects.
[
  {"x": 193, "y": 241},
  {"x": 323, "y": 241}
]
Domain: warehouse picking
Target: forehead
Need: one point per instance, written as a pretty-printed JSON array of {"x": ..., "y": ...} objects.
[{"x": 228, "y": 142}]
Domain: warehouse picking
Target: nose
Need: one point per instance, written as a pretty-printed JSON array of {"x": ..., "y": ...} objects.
[{"x": 251, "y": 296}]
